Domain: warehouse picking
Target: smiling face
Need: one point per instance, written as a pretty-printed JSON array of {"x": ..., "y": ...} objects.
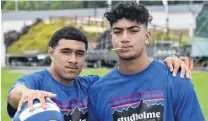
[
  {"x": 131, "y": 37},
  {"x": 68, "y": 58}
]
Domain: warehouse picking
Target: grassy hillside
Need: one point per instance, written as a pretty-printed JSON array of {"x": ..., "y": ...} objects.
[{"x": 38, "y": 37}]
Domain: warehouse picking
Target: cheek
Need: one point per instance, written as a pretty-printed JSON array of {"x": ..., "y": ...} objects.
[
  {"x": 60, "y": 60},
  {"x": 115, "y": 41},
  {"x": 81, "y": 62},
  {"x": 139, "y": 39},
  {"x": 139, "y": 43}
]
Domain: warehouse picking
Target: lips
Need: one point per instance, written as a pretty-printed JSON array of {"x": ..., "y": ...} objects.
[
  {"x": 126, "y": 47},
  {"x": 71, "y": 67}
]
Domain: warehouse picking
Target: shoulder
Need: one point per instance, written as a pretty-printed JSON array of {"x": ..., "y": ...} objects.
[
  {"x": 156, "y": 69},
  {"x": 89, "y": 78},
  {"x": 86, "y": 81},
  {"x": 98, "y": 85},
  {"x": 159, "y": 65},
  {"x": 172, "y": 81},
  {"x": 179, "y": 82},
  {"x": 35, "y": 76},
  {"x": 32, "y": 81},
  {"x": 180, "y": 87}
]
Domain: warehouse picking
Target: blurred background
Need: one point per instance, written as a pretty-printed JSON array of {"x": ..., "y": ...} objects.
[{"x": 178, "y": 28}]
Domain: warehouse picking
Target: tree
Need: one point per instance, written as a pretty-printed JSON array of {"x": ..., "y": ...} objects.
[
  {"x": 51, "y": 5},
  {"x": 2, "y": 4},
  {"x": 42, "y": 5},
  {"x": 95, "y": 4},
  {"x": 9, "y": 5}
]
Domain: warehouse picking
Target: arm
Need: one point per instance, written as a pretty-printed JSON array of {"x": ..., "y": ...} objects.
[
  {"x": 185, "y": 103},
  {"x": 15, "y": 95},
  {"x": 25, "y": 90},
  {"x": 14, "y": 98},
  {"x": 16, "y": 91}
]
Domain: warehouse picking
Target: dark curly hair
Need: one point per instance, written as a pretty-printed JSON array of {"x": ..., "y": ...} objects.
[
  {"x": 68, "y": 32},
  {"x": 129, "y": 10}
]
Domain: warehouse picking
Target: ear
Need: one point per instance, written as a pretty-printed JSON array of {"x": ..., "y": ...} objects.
[
  {"x": 51, "y": 52},
  {"x": 86, "y": 52},
  {"x": 148, "y": 37},
  {"x": 111, "y": 35}
]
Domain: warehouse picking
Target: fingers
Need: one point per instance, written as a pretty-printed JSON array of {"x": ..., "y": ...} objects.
[
  {"x": 30, "y": 104},
  {"x": 188, "y": 74},
  {"x": 168, "y": 62},
  {"x": 183, "y": 70},
  {"x": 176, "y": 63},
  {"x": 34, "y": 94},
  {"x": 49, "y": 94},
  {"x": 20, "y": 105},
  {"x": 176, "y": 66},
  {"x": 44, "y": 96},
  {"x": 23, "y": 100},
  {"x": 43, "y": 102},
  {"x": 49, "y": 99}
]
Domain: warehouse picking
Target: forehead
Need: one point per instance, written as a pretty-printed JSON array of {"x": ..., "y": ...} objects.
[
  {"x": 125, "y": 23},
  {"x": 73, "y": 44}
]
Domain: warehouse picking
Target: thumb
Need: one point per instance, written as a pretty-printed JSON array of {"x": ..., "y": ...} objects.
[{"x": 49, "y": 94}]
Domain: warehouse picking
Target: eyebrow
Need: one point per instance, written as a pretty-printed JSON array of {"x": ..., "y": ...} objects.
[
  {"x": 131, "y": 27},
  {"x": 82, "y": 51},
  {"x": 69, "y": 49}
]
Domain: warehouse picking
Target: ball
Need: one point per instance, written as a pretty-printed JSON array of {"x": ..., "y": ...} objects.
[{"x": 37, "y": 113}]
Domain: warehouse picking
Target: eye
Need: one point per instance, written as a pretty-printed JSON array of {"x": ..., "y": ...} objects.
[
  {"x": 65, "y": 52},
  {"x": 80, "y": 54},
  {"x": 117, "y": 32},
  {"x": 134, "y": 31}
]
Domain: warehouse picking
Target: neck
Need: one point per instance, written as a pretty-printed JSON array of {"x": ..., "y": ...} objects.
[
  {"x": 134, "y": 66},
  {"x": 60, "y": 79}
]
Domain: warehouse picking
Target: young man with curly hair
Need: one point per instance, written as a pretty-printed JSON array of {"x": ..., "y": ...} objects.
[{"x": 139, "y": 88}]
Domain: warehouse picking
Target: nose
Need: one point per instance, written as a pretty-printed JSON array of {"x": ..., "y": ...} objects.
[
  {"x": 72, "y": 59},
  {"x": 125, "y": 37}
]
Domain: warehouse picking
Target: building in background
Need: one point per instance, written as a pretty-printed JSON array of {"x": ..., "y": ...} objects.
[{"x": 181, "y": 17}]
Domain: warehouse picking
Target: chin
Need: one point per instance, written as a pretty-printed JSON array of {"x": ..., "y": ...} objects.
[
  {"x": 70, "y": 77},
  {"x": 129, "y": 57}
]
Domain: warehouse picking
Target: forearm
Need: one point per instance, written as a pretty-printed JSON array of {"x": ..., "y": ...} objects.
[{"x": 15, "y": 95}]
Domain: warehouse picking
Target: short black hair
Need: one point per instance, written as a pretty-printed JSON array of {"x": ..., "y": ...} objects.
[
  {"x": 129, "y": 10},
  {"x": 68, "y": 32}
]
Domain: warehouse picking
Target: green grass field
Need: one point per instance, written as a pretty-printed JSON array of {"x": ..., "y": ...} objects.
[{"x": 200, "y": 80}]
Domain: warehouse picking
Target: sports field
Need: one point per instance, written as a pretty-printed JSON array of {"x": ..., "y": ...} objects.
[{"x": 200, "y": 81}]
